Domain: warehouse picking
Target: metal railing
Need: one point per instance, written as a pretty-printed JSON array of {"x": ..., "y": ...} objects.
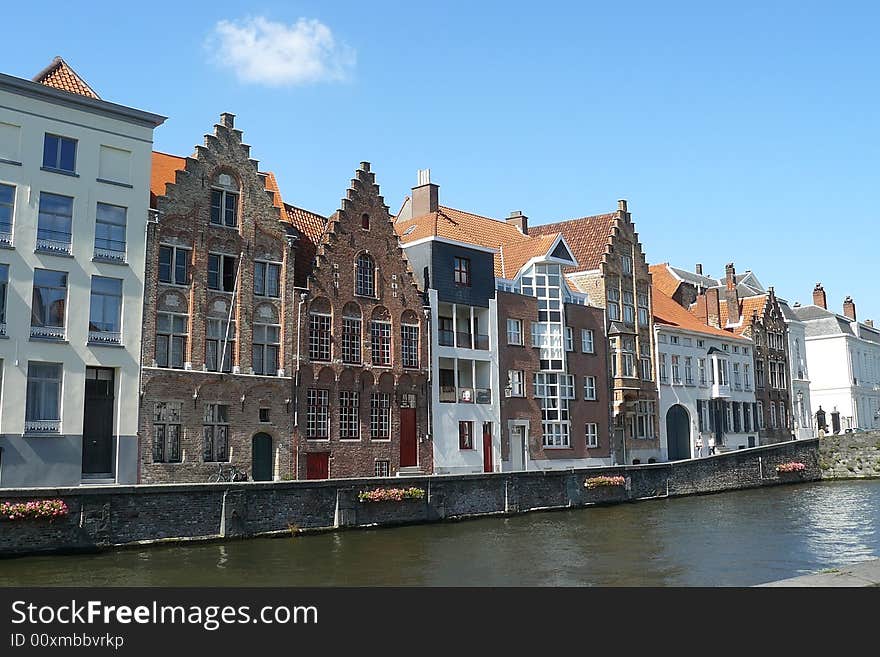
[
  {"x": 112, "y": 250},
  {"x": 42, "y": 426},
  {"x": 48, "y": 332},
  {"x": 105, "y": 337},
  {"x": 53, "y": 241}
]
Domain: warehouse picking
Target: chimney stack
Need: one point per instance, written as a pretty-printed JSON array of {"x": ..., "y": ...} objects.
[
  {"x": 227, "y": 120},
  {"x": 425, "y": 195},
  {"x": 713, "y": 310},
  {"x": 819, "y": 296},
  {"x": 730, "y": 295},
  {"x": 621, "y": 205},
  {"x": 699, "y": 269},
  {"x": 849, "y": 308},
  {"x": 869, "y": 322},
  {"x": 518, "y": 219}
]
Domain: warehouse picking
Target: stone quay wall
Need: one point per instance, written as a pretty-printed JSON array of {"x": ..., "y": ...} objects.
[
  {"x": 850, "y": 455},
  {"x": 109, "y": 516}
]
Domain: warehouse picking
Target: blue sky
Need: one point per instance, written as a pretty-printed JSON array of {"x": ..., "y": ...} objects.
[{"x": 738, "y": 132}]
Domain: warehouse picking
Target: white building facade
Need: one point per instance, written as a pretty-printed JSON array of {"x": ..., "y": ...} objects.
[
  {"x": 803, "y": 422},
  {"x": 74, "y": 199},
  {"x": 844, "y": 357},
  {"x": 706, "y": 392}
]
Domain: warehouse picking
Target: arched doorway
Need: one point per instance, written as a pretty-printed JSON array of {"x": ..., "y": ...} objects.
[
  {"x": 261, "y": 457},
  {"x": 678, "y": 433}
]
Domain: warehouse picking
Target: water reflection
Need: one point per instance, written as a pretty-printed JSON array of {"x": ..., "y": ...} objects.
[{"x": 741, "y": 538}]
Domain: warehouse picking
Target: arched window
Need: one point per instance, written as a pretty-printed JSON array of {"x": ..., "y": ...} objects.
[
  {"x": 365, "y": 221},
  {"x": 319, "y": 330},
  {"x": 380, "y": 336},
  {"x": 365, "y": 276},
  {"x": 409, "y": 339},
  {"x": 224, "y": 201},
  {"x": 351, "y": 333}
]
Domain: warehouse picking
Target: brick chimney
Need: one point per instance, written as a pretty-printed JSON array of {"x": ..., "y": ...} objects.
[
  {"x": 819, "y": 296},
  {"x": 869, "y": 322},
  {"x": 425, "y": 195},
  {"x": 712, "y": 315},
  {"x": 518, "y": 219},
  {"x": 227, "y": 120},
  {"x": 849, "y": 308},
  {"x": 730, "y": 295},
  {"x": 621, "y": 205},
  {"x": 699, "y": 269}
]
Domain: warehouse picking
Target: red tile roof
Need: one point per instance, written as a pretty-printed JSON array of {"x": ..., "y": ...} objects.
[
  {"x": 162, "y": 172},
  {"x": 59, "y": 75},
  {"x": 667, "y": 311},
  {"x": 663, "y": 279},
  {"x": 513, "y": 249},
  {"x": 587, "y": 237},
  {"x": 747, "y": 306}
]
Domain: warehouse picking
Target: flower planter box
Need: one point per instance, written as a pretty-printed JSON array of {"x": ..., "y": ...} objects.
[
  {"x": 391, "y": 495},
  {"x": 32, "y": 510}
]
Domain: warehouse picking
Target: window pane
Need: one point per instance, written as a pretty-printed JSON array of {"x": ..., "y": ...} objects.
[
  {"x": 50, "y": 151},
  {"x": 165, "y": 264},
  {"x": 68, "y": 154},
  {"x": 259, "y": 278}
]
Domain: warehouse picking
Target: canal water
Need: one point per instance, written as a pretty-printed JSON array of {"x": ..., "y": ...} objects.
[{"x": 729, "y": 539}]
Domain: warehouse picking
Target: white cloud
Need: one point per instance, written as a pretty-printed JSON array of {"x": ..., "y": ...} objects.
[{"x": 275, "y": 54}]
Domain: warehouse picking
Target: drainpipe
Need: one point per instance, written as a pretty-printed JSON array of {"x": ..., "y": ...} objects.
[{"x": 302, "y": 299}]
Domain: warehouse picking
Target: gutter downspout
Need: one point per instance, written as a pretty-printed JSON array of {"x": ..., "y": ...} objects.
[{"x": 302, "y": 299}]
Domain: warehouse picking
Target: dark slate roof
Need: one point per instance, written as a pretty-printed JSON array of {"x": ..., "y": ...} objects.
[{"x": 694, "y": 278}]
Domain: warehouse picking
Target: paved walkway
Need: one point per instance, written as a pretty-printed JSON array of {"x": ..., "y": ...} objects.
[{"x": 865, "y": 573}]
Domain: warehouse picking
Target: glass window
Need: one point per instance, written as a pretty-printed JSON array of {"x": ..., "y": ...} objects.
[
  {"x": 266, "y": 347},
  {"x": 380, "y": 341},
  {"x": 219, "y": 345},
  {"x": 267, "y": 279},
  {"x": 626, "y": 264},
  {"x": 317, "y": 414},
  {"x": 516, "y": 383},
  {"x": 628, "y": 308},
  {"x": 105, "y": 312},
  {"x": 166, "y": 432},
  {"x": 174, "y": 265},
  {"x": 587, "y": 344},
  {"x": 349, "y": 415},
  {"x": 465, "y": 435},
  {"x": 59, "y": 153},
  {"x": 409, "y": 342},
  {"x": 216, "y": 433},
  {"x": 613, "y": 300},
  {"x": 351, "y": 340},
  {"x": 43, "y": 405},
  {"x": 171, "y": 336},
  {"x": 49, "y": 300},
  {"x": 643, "y": 308},
  {"x": 569, "y": 339},
  {"x": 54, "y": 222},
  {"x": 380, "y": 416},
  {"x": 383, "y": 468},
  {"x": 110, "y": 231},
  {"x": 365, "y": 276},
  {"x": 319, "y": 336},
  {"x": 224, "y": 202},
  {"x": 4, "y": 284},
  {"x": 590, "y": 388},
  {"x": 591, "y": 433},
  {"x": 221, "y": 272},
  {"x": 514, "y": 331},
  {"x": 462, "y": 271},
  {"x": 7, "y": 213}
]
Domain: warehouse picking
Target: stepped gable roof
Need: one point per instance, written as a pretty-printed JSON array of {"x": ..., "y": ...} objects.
[
  {"x": 587, "y": 238},
  {"x": 512, "y": 249},
  {"x": 59, "y": 75},
  {"x": 162, "y": 172},
  {"x": 668, "y": 312}
]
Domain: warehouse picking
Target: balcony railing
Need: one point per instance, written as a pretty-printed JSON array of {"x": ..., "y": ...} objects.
[
  {"x": 451, "y": 395},
  {"x": 720, "y": 391},
  {"x": 51, "y": 245},
  {"x": 105, "y": 337},
  {"x": 5, "y": 235},
  {"x": 2, "y": 328},
  {"x": 113, "y": 252},
  {"x": 42, "y": 426},
  {"x": 48, "y": 332}
]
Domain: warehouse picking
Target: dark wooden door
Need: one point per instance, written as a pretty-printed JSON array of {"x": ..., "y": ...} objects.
[
  {"x": 97, "y": 445},
  {"x": 261, "y": 457},
  {"x": 678, "y": 434},
  {"x": 318, "y": 465},
  {"x": 488, "y": 466},
  {"x": 408, "y": 452}
]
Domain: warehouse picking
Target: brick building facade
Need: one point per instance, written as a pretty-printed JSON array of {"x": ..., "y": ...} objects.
[
  {"x": 612, "y": 270},
  {"x": 362, "y": 379},
  {"x": 219, "y": 311}
]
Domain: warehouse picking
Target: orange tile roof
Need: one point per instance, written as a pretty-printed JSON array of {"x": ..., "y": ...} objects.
[
  {"x": 272, "y": 186},
  {"x": 587, "y": 237},
  {"x": 667, "y": 311},
  {"x": 162, "y": 172},
  {"x": 513, "y": 249},
  {"x": 747, "y": 306},
  {"x": 663, "y": 279},
  {"x": 59, "y": 75}
]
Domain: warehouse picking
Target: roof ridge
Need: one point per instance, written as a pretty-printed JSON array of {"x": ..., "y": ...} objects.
[{"x": 56, "y": 64}]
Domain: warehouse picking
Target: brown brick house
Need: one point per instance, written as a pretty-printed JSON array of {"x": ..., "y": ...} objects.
[
  {"x": 219, "y": 314},
  {"x": 362, "y": 394},
  {"x": 612, "y": 270}
]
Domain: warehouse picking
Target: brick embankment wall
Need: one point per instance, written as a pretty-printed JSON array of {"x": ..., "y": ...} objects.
[
  {"x": 850, "y": 456},
  {"x": 102, "y": 517}
]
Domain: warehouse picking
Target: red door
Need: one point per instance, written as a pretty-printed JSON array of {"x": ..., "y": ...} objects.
[
  {"x": 408, "y": 455},
  {"x": 318, "y": 465},
  {"x": 488, "y": 466}
]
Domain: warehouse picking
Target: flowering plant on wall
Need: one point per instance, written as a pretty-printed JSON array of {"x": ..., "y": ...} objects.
[
  {"x": 791, "y": 466},
  {"x": 391, "y": 494},
  {"x": 596, "y": 482},
  {"x": 33, "y": 509}
]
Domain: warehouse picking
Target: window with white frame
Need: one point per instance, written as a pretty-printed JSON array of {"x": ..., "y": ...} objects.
[
  {"x": 627, "y": 361},
  {"x": 380, "y": 340},
  {"x": 351, "y": 339},
  {"x": 747, "y": 377},
  {"x": 566, "y": 383},
  {"x": 219, "y": 345},
  {"x": 516, "y": 383},
  {"x": 760, "y": 413},
  {"x": 59, "y": 153},
  {"x": 266, "y": 347},
  {"x": 49, "y": 304},
  {"x": 587, "y": 344},
  {"x": 43, "y": 401},
  {"x": 317, "y": 414},
  {"x": 4, "y": 285},
  {"x": 590, "y": 388},
  {"x": 174, "y": 265},
  {"x": 224, "y": 201},
  {"x": 676, "y": 369},
  {"x": 380, "y": 416},
  {"x": 645, "y": 420},
  {"x": 409, "y": 344},
  {"x": 267, "y": 279},
  {"x": 110, "y": 223},
  {"x": 773, "y": 415},
  {"x": 215, "y": 430},
  {"x": 591, "y": 434},
  {"x": 7, "y": 212},
  {"x": 673, "y": 339},
  {"x": 105, "y": 310},
  {"x": 629, "y": 309},
  {"x": 554, "y": 409},
  {"x": 349, "y": 415},
  {"x": 643, "y": 308},
  {"x": 626, "y": 264},
  {"x": 569, "y": 339},
  {"x": 166, "y": 432},
  {"x": 664, "y": 377},
  {"x": 221, "y": 272},
  {"x": 701, "y": 365},
  {"x": 514, "y": 331},
  {"x": 383, "y": 468},
  {"x": 319, "y": 336},
  {"x": 688, "y": 371},
  {"x": 365, "y": 276},
  {"x": 613, "y": 301}
]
